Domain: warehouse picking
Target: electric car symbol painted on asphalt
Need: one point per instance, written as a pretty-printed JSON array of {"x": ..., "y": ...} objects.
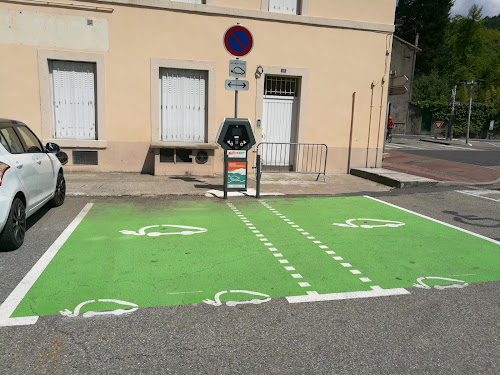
[
  {"x": 142, "y": 231},
  {"x": 379, "y": 223}
]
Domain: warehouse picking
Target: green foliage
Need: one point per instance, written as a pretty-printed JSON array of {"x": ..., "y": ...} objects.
[
  {"x": 471, "y": 51},
  {"x": 430, "y": 19},
  {"x": 480, "y": 116},
  {"x": 431, "y": 87},
  {"x": 492, "y": 22}
]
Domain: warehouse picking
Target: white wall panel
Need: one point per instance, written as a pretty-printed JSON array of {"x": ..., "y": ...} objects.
[{"x": 279, "y": 126}]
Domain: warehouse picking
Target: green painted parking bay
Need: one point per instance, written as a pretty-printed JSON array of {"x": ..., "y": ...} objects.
[{"x": 248, "y": 251}]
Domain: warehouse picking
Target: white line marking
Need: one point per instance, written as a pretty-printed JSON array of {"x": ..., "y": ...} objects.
[
  {"x": 330, "y": 252},
  {"x": 268, "y": 244},
  {"x": 347, "y": 295},
  {"x": 356, "y": 272},
  {"x": 259, "y": 235},
  {"x": 290, "y": 268},
  {"x": 323, "y": 247},
  {"x": 303, "y": 285},
  {"x": 256, "y": 231},
  {"x": 338, "y": 258},
  {"x": 312, "y": 292},
  {"x": 311, "y": 238},
  {"x": 278, "y": 255},
  {"x": 296, "y": 275},
  {"x": 283, "y": 261},
  {"x": 263, "y": 239},
  {"x": 435, "y": 220},
  {"x": 273, "y": 249},
  {"x": 196, "y": 291},
  {"x": 365, "y": 279},
  {"x": 346, "y": 264},
  {"x": 317, "y": 242},
  {"x": 480, "y": 194},
  {"x": 14, "y": 299},
  {"x": 376, "y": 287},
  {"x": 306, "y": 233}
]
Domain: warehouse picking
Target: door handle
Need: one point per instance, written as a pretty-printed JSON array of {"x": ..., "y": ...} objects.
[
  {"x": 39, "y": 162},
  {"x": 19, "y": 166}
]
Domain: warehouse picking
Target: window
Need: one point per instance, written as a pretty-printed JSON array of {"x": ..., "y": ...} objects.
[
  {"x": 73, "y": 91},
  {"x": 183, "y": 105},
  {"x": 31, "y": 142},
  {"x": 175, "y": 155},
  {"x": 284, "y": 6},
  {"x": 282, "y": 86},
  {"x": 12, "y": 141}
]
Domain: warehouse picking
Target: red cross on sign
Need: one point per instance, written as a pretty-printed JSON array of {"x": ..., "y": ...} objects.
[{"x": 438, "y": 124}]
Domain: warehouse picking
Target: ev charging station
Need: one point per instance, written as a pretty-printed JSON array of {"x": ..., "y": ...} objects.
[{"x": 236, "y": 135}]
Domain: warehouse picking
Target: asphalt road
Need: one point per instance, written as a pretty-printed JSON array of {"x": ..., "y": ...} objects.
[
  {"x": 451, "y": 331},
  {"x": 481, "y": 158}
]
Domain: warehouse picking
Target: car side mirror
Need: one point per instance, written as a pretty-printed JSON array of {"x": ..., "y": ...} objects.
[{"x": 52, "y": 147}]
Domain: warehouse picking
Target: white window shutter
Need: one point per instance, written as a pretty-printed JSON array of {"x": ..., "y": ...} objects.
[
  {"x": 284, "y": 6},
  {"x": 183, "y": 105},
  {"x": 190, "y": 1},
  {"x": 73, "y": 99}
]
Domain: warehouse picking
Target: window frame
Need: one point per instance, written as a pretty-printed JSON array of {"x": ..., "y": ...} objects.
[
  {"x": 44, "y": 57},
  {"x": 210, "y": 67}
]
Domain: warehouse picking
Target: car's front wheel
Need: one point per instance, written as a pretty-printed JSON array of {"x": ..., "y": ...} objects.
[
  {"x": 12, "y": 236},
  {"x": 60, "y": 192}
]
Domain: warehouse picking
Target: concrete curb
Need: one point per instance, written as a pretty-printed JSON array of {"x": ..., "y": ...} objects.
[{"x": 392, "y": 178}]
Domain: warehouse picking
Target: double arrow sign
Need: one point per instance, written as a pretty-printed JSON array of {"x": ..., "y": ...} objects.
[{"x": 236, "y": 85}]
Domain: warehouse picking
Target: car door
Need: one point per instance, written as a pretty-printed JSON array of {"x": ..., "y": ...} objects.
[
  {"x": 44, "y": 165},
  {"x": 25, "y": 166}
]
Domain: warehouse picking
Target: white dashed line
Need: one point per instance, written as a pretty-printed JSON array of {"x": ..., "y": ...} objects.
[
  {"x": 376, "y": 289},
  {"x": 272, "y": 249}
]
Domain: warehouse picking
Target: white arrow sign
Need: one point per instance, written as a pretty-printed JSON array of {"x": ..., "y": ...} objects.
[{"x": 236, "y": 85}]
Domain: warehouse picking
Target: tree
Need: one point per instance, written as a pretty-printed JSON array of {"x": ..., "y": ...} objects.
[
  {"x": 492, "y": 22},
  {"x": 431, "y": 20}
]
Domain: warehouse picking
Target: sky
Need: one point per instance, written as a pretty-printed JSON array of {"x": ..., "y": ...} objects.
[{"x": 490, "y": 7}]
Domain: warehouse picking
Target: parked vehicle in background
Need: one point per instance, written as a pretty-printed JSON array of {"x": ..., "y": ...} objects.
[{"x": 30, "y": 176}]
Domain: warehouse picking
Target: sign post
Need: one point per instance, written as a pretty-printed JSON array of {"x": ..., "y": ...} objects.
[
  {"x": 438, "y": 125},
  {"x": 236, "y": 135}
]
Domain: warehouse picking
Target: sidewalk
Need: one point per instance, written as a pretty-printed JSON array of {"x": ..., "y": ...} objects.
[
  {"x": 400, "y": 170},
  {"x": 135, "y": 184}
]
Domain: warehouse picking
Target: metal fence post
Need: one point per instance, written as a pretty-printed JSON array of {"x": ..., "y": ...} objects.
[{"x": 257, "y": 187}]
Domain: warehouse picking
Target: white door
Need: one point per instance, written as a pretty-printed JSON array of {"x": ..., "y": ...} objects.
[{"x": 279, "y": 126}]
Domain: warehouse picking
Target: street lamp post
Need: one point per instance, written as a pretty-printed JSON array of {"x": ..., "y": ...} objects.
[{"x": 471, "y": 85}]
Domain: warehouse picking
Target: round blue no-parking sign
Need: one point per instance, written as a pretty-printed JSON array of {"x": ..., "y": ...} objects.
[{"x": 238, "y": 40}]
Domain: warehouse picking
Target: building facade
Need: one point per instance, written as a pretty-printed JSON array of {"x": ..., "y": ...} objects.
[
  {"x": 403, "y": 58},
  {"x": 139, "y": 85}
]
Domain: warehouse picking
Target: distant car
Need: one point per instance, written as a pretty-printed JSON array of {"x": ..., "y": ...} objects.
[{"x": 30, "y": 176}]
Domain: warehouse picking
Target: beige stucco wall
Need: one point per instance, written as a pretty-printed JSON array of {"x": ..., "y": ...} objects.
[{"x": 334, "y": 62}]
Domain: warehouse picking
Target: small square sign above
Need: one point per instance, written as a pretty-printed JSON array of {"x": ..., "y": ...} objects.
[{"x": 283, "y": 70}]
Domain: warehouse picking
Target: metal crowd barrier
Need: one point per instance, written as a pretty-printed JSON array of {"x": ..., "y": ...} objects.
[{"x": 303, "y": 158}]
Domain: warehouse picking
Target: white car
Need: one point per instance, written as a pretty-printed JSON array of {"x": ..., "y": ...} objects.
[{"x": 30, "y": 176}]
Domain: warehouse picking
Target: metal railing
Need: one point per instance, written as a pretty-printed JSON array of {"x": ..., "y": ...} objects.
[{"x": 305, "y": 158}]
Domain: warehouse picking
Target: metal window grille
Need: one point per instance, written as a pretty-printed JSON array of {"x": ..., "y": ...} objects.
[
  {"x": 84, "y": 157},
  {"x": 282, "y": 86}
]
